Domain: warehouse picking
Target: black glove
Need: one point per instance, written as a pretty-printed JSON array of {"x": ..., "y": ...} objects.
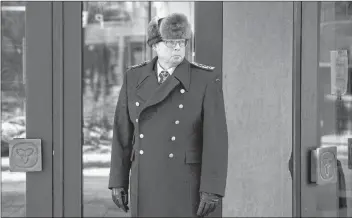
[
  {"x": 208, "y": 203},
  {"x": 120, "y": 198}
]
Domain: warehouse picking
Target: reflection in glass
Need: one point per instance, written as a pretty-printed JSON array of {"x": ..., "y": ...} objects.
[
  {"x": 335, "y": 98},
  {"x": 114, "y": 38},
  {"x": 13, "y": 114}
]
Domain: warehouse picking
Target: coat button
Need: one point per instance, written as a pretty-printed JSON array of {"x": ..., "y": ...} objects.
[
  {"x": 177, "y": 122},
  {"x": 182, "y": 91},
  {"x": 141, "y": 151},
  {"x": 171, "y": 155},
  {"x": 180, "y": 106},
  {"x": 137, "y": 120},
  {"x": 137, "y": 103},
  {"x": 141, "y": 136},
  {"x": 173, "y": 138}
]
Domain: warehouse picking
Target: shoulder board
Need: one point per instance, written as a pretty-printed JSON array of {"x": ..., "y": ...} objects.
[
  {"x": 138, "y": 65},
  {"x": 202, "y": 66}
]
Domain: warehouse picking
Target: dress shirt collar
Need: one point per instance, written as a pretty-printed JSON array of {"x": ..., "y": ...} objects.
[{"x": 160, "y": 68}]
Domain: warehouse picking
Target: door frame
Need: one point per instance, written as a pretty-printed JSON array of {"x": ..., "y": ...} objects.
[
  {"x": 58, "y": 112},
  {"x": 67, "y": 28},
  {"x": 309, "y": 139},
  {"x": 309, "y": 102},
  {"x": 307, "y": 134},
  {"x": 73, "y": 109},
  {"x": 53, "y": 32},
  {"x": 296, "y": 110},
  {"x": 39, "y": 104},
  {"x": 202, "y": 38},
  {"x": 68, "y": 103}
]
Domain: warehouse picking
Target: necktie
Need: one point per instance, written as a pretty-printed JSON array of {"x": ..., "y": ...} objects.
[{"x": 163, "y": 76}]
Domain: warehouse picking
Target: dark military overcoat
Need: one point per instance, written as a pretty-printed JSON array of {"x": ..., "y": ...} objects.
[{"x": 173, "y": 137}]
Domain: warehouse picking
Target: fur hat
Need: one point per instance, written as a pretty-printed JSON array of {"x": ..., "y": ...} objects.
[{"x": 174, "y": 26}]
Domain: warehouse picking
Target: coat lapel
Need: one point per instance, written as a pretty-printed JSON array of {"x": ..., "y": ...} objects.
[
  {"x": 162, "y": 92},
  {"x": 147, "y": 82},
  {"x": 180, "y": 75}
]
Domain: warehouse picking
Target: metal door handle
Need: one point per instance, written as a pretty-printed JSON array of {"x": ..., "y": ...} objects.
[
  {"x": 290, "y": 165},
  {"x": 324, "y": 165},
  {"x": 349, "y": 151}
]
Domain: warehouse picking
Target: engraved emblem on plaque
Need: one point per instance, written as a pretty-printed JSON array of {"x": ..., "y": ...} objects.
[
  {"x": 326, "y": 165},
  {"x": 25, "y": 155}
]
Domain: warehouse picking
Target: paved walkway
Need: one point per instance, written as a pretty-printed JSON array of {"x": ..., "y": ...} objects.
[{"x": 96, "y": 197}]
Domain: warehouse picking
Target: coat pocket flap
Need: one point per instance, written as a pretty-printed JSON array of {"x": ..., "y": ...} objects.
[{"x": 193, "y": 157}]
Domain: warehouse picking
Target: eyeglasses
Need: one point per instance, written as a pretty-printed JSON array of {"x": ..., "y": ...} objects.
[{"x": 173, "y": 43}]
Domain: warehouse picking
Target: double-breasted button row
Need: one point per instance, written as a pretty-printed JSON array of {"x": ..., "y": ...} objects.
[
  {"x": 140, "y": 135},
  {"x": 182, "y": 92},
  {"x": 173, "y": 138},
  {"x": 171, "y": 155}
]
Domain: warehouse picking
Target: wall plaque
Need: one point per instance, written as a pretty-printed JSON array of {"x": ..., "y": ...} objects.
[{"x": 25, "y": 155}]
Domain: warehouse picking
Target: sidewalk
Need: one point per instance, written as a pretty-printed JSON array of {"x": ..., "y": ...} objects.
[{"x": 96, "y": 196}]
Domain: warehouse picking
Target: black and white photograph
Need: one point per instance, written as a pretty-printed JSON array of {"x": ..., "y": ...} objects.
[{"x": 176, "y": 109}]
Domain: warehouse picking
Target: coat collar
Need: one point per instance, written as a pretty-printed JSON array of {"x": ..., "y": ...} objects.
[
  {"x": 148, "y": 71},
  {"x": 182, "y": 72}
]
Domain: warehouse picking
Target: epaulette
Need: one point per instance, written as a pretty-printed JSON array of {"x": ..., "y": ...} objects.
[
  {"x": 202, "y": 66},
  {"x": 138, "y": 65}
]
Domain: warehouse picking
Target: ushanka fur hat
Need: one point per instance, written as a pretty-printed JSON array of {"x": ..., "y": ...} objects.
[{"x": 174, "y": 26}]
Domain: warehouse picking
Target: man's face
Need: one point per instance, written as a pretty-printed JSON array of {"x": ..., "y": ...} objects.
[{"x": 171, "y": 52}]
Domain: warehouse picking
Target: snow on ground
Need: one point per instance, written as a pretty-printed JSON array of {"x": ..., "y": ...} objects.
[
  {"x": 8, "y": 176},
  {"x": 91, "y": 158}
]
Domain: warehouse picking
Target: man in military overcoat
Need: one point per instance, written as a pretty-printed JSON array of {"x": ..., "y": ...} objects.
[{"x": 170, "y": 131}]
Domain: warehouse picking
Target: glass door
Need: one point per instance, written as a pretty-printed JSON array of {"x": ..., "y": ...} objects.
[
  {"x": 13, "y": 110},
  {"x": 326, "y": 116},
  {"x": 114, "y": 38},
  {"x": 26, "y": 113},
  {"x": 100, "y": 40}
]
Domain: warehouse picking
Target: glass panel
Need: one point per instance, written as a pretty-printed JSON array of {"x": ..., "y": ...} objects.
[
  {"x": 114, "y": 38},
  {"x": 13, "y": 108},
  {"x": 335, "y": 101}
]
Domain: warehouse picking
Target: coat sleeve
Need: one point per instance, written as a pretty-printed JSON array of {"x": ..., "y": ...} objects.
[
  {"x": 121, "y": 147},
  {"x": 215, "y": 140}
]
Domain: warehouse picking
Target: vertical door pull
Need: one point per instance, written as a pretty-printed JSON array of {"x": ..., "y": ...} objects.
[{"x": 324, "y": 165}]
